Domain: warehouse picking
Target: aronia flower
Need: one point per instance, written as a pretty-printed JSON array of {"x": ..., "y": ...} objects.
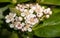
[
  {"x": 30, "y": 14},
  {"x": 10, "y": 17}
]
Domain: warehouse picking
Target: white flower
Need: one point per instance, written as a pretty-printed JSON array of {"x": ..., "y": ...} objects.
[
  {"x": 24, "y": 6},
  {"x": 31, "y": 19},
  {"x": 17, "y": 19},
  {"x": 39, "y": 10},
  {"x": 26, "y": 10},
  {"x": 43, "y": 7},
  {"x": 29, "y": 30},
  {"x": 21, "y": 9},
  {"x": 47, "y": 16},
  {"x": 38, "y": 6},
  {"x": 31, "y": 11},
  {"x": 10, "y": 17},
  {"x": 18, "y": 25},
  {"x": 22, "y": 14},
  {"x": 30, "y": 5},
  {"x": 48, "y": 11},
  {"x": 17, "y": 7},
  {"x": 20, "y": 18},
  {"x": 27, "y": 5},
  {"x": 25, "y": 13},
  {"x": 33, "y": 7},
  {"x": 39, "y": 14},
  {"x": 25, "y": 18},
  {"x": 23, "y": 24},
  {"x": 7, "y": 21},
  {"x": 11, "y": 25},
  {"x": 24, "y": 29},
  {"x": 30, "y": 16},
  {"x": 12, "y": 14},
  {"x": 27, "y": 25}
]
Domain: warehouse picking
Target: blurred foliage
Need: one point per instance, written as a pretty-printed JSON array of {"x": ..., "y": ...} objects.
[
  {"x": 47, "y": 28},
  {"x": 13, "y": 35},
  {"x": 5, "y": 0},
  {"x": 49, "y": 2}
]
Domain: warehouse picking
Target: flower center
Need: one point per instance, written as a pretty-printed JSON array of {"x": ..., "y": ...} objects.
[{"x": 19, "y": 25}]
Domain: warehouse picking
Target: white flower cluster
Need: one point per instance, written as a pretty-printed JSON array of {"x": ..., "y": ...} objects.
[{"x": 30, "y": 14}]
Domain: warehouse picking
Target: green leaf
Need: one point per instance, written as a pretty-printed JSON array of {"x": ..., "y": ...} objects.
[
  {"x": 48, "y": 31},
  {"x": 5, "y": 0},
  {"x": 50, "y": 27},
  {"x": 21, "y": 1},
  {"x": 3, "y": 9},
  {"x": 56, "y": 10},
  {"x": 1, "y": 13},
  {"x": 1, "y": 16},
  {"x": 14, "y": 35},
  {"x": 49, "y": 2}
]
